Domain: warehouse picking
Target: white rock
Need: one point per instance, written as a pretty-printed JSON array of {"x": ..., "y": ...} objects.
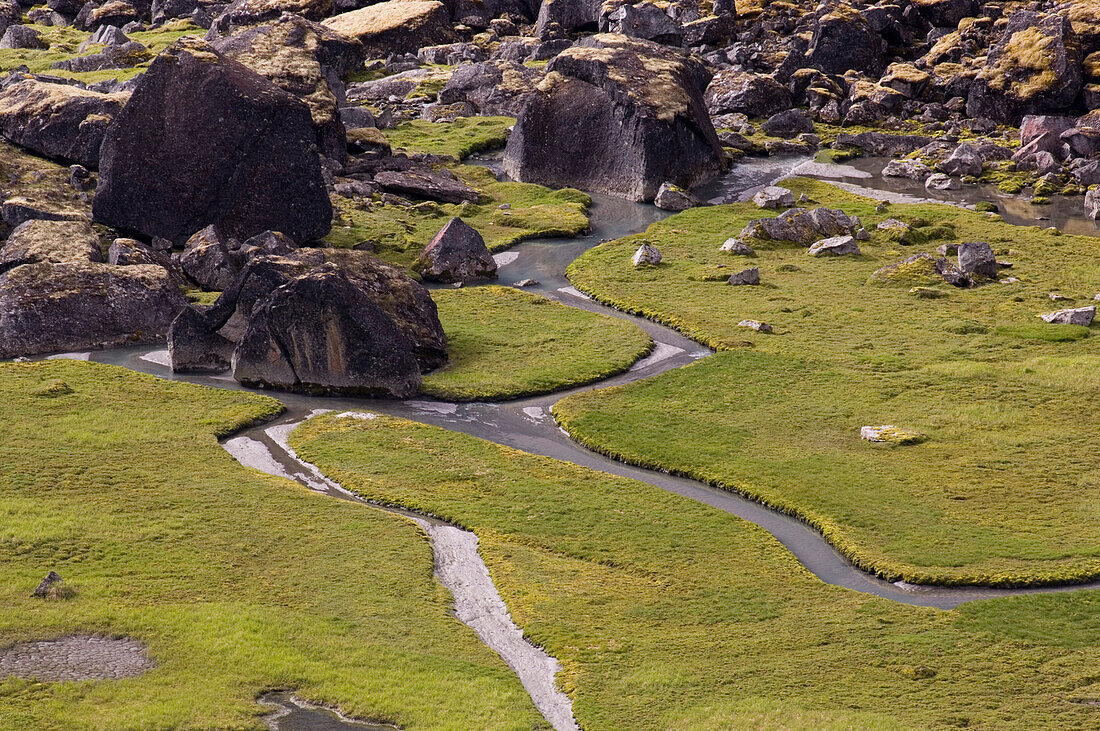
[
  {"x": 737, "y": 246},
  {"x": 939, "y": 181},
  {"x": 835, "y": 246},
  {"x": 756, "y": 325},
  {"x": 774, "y": 197},
  {"x": 646, "y": 254},
  {"x": 1075, "y": 316}
]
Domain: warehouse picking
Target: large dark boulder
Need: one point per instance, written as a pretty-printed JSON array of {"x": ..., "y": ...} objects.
[
  {"x": 57, "y": 294},
  {"x": 557, "y": 17},
  {"x": 754, "y": 95},
  {"x": 842, "y": 40},
  {"x": 457, "y": 253},
  {"x": 57, "y": 120},
  {"x": 616, "y": 115},
  {"x": 306, "y": 59},
  {"x": 644, "y": 20},
  {"x": 321, "y": 334},
  {"x": 1034, "y": 68},
  {"x": 441, "y": 185},
  {"x": 205, "y": 140},
  {"x": 201, "y": 337}
]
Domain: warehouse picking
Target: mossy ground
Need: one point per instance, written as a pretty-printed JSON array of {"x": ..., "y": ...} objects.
[
  {"x": 504, "y": 343},
  {"x": 1004, "y": 491},
  {"x": 459, "y": 139},
  {"x": 237, "y": 582},
  {"x": 399, "y": 233},
  {"x": 668, "y": 614},
  {"x": 64, "y": 42}
]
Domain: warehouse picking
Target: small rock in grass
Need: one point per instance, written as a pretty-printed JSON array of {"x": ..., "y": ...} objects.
[
  {"x": 1076, "y": 316},
  {"x": 748, "y": 276},
  {"x": 646, "y": 254},
  {"x": 881, "y": 207},
  {"x": 977, "y": 258},
  {"x": 927, "y": 293},
  {"x": 774, "y": 196},
  {"x": 737, "y": 246},
  {"x": 1055, "y": 297},
  {"x": 52, "y": 579},
  {"x": 674, "y": 198},
  {"x": 1009, "y": 280},
  {"x": 889, "y": 434},
  {"x": 760, "y": 327},
  {"x": 525, "y": 283},
  {"x": 861, "y": 234},
  {"x": 835, "y": 246}
]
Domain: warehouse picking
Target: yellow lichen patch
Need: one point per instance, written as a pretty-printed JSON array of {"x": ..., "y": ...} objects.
[
  {"x": 1025, "y": 57},
  {"x": 943, "y": 49},
  {"x": 905, "y": 72},
  {"x": 293, "y": 67}
]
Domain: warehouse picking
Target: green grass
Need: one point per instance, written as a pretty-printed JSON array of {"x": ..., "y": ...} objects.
[
  {"x": 504, "y": 343},
  {"x": 668, "y": 614},
  {"x": 238, "y": 583},
  {"x": 459, "y": 139},
  {"x": 1005, "y": 489},
  {"x": 400, "y": 233},
  {"x": 65, "y": 40}
]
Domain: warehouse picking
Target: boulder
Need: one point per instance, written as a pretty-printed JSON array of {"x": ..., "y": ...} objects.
[
  {"x": 747, "y": 276},
  {"x": 1083, "y": 138},
  {"x": 619, "y": 116},
  {"x": 802, "y": 226},
  {"x": 205, "y": 140},
  {"x": 1042, "y": 133},
  {"x": 439, "y": 185},
  {"x": 842, "y": 40},
  {"x": 910, "y": 169},
  {"x": 939, "y": 181},
  {"x": 47, "y": 585},
  {"x": 321, "y": 334},
  {"x": 737, "y": 247},
  {"x": 50, "y": 242},
  {"x": 558, "y": 17},
  {"x": 1034, "y": 67},
  {"x": 733, "y": 91},
  {"x": 112, "y": 57},
  {"x": 395, "y": 26},
  {"x": 1075, "y": 316},
  {"x": 674, "y": 198},
  {"x": 96, "y": 14},
  {"x": 977, "y": 259},
  {"x": 773, "y": 196},
  {"x": 790, "y": 123},
  {"x": 57, "y": 120},
  {"x": 22, "y": 36},
  {"x": 644, "y": 20},
  {"x": 19, "y": 209},
  {"x": 195, "y": 346},
  {"x": 244, "y": 13},
  {"x": 835, "y": 246},
  {"x": 1092, "y": 204},
  {"x": 46, "y": 307},
  {"x": 206, "y": 260},
  {"x": 882, "y": 143},
  {"x": 646, "y": 255},
  {"x": 963, "y": 160},
  {"x": 495, "y": 87},
  {"x": 760, "y": 327},
  {"x": 303, "y": 58},
  {"x": 457, "y": 253}
]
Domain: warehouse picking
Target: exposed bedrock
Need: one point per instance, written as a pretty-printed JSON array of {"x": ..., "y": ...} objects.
[
  {"x": 205, "y": 140},
  {"x": 619, "y": 116}
]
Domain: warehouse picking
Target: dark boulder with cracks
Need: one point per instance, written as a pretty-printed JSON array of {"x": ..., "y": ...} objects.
[
  {"x": 205, "y": 140},
  {"x": 321, "y": 334},
  {"x": 616, "y": 115},
  {"x": 457, "y": 253}
]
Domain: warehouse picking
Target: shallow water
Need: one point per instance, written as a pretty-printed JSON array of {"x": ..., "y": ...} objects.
[{"x": 291, "y": 714}]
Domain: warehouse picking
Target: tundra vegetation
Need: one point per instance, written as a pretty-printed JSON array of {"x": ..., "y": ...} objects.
[{"x": 1001, "y": 491}]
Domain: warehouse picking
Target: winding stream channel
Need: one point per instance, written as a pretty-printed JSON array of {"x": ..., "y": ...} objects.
[{"x": 527, "y": 425}]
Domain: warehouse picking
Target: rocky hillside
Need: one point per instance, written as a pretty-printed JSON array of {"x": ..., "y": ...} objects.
[{"x": 190, "y": 139}]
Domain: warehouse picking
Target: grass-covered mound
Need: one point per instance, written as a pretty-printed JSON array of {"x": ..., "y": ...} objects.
[
  {"x": 668, "y": 614},
  {"x": 459, "y": 139},
  {"x": 504, "y": 343},
  {"x": 399, "y": 233},
  {"x": 1004, "y": 489},
  {"x": 237, "y": 582}
]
